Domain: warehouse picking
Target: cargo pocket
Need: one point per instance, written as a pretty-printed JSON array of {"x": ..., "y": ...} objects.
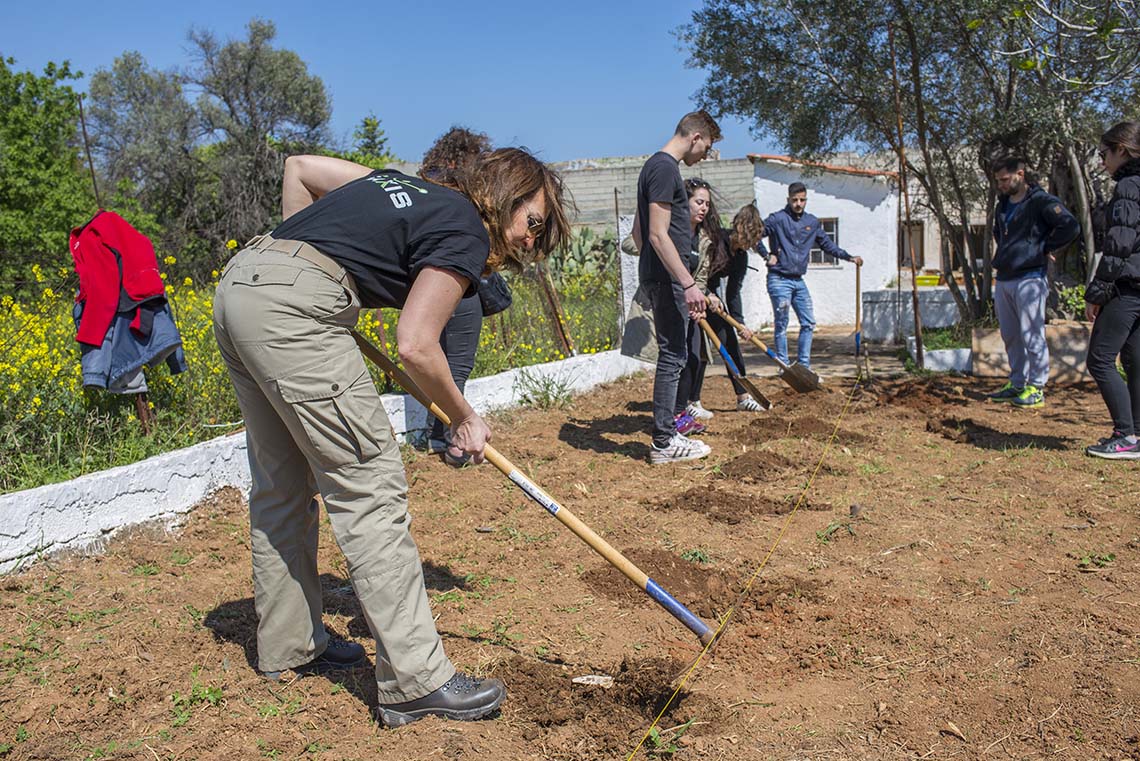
[
  {"x": 338, "y": 408},
  {"x": 265, "y": 274}
]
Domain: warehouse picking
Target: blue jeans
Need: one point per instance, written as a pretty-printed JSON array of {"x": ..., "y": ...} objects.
[{"x": 791, "y": 292}]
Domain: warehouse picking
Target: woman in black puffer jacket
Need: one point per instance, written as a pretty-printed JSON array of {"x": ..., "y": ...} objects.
[{"x": 1114, "y": 297}]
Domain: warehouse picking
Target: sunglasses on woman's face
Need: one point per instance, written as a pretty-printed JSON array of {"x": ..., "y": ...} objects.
[{"x": 535, "y": 226}]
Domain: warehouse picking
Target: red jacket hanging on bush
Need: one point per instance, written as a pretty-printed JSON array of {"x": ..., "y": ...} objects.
[{"x": 117, "y": 270}]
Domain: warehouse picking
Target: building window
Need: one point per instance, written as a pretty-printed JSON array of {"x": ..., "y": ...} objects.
[
  {"x": 831, "y": 230},
  {"x": 973, "y": 245},
  {"x": 914, "y": 234}
]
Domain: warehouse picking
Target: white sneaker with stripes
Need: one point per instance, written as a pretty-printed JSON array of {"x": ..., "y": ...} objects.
[
  {"x": 680, "y": 449},
  {"x": 748, "y": 404}
]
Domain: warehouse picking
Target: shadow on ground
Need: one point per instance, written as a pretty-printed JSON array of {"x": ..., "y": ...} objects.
[{"x": 592, "y": 435}]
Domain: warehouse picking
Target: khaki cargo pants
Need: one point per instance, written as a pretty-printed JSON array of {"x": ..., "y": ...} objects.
[{"x": 314, "y": 422}]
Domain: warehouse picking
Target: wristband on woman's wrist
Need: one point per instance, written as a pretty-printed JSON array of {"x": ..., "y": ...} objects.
[{"x": 690, "y": 285}]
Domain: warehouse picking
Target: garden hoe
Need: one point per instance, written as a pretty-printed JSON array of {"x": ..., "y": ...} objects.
[
  {"x": 749, "y": 386},
  {"x": 567, "y": 518},
  {"x": 800, "y": 378}
]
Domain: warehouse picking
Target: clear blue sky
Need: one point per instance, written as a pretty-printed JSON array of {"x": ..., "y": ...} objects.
[{"x": 569, "y": 80}]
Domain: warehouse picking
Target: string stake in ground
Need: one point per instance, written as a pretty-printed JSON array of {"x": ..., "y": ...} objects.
[{"x": 691, "y": 621}]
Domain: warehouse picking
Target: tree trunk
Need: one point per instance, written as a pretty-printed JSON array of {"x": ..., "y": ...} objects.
[{"x": 1084, "y": 211}]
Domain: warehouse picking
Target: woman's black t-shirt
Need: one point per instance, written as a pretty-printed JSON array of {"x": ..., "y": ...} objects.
[{"x": 384, "y": 228}]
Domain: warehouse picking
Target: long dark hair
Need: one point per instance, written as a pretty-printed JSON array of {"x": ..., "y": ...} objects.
[
  {"x": 499, "y": 182},
  {"x": 1124, "y": 136},
  {"x": 710, "y": 225}
]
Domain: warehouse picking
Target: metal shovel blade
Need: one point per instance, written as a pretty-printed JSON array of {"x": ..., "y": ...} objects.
[{"x": 800, "y": 378}]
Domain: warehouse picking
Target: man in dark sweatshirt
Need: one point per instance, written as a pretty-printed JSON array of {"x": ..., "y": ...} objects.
[
  {"x": 792, "y": 234},
  {"x": 1029, "y": 224}
]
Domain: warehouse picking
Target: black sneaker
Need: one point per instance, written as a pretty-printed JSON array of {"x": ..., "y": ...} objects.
[
  {"x": 340, "y": 654},
  {"x": 461, "y": 698},
  {"x": 1115, "y": 447}
]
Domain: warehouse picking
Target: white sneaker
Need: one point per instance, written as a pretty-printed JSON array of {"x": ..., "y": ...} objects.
[
  {"x": 748, "y": 404},
  {"x": 700, "y": 413},
  {"x": 680, "y": 449}
]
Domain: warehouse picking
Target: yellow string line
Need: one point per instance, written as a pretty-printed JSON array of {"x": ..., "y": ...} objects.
[{"x": 748, "y": 586}]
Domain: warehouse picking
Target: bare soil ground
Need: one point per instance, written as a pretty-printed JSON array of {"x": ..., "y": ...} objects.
[{"x": 960, "y": 580}]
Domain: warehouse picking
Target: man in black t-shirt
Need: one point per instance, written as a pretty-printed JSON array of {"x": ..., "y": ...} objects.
[{"x": 662, "y": 233}]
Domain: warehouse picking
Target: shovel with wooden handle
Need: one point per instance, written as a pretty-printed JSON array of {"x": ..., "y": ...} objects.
[
  {"x": 797, "y": 376},
  {"x": 749, "y": 386},
  {"x": 705, "y": 632}
]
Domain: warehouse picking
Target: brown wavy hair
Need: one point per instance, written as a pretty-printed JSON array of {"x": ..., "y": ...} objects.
[
  {"x": 499, "y": 182},
  {"x": 747, "y": 228},
  {"x": 452, "y": 150},
  {"x": 1125, "y": 136}
]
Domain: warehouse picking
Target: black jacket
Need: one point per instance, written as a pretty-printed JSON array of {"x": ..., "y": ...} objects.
[
  {"x": 1039, "y": 224},
  {"x": 1121, "y": 261}
]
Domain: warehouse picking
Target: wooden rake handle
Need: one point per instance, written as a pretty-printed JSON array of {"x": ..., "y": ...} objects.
[{"x": 532, "y": 490}]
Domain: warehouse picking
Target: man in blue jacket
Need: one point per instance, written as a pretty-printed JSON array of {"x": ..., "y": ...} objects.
[
  {"x": 1029, "y": 224},
  {"x": 792, "y": 234}
]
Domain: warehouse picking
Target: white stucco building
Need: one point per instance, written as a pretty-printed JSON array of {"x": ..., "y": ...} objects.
[{"x": 858, "y": 207}]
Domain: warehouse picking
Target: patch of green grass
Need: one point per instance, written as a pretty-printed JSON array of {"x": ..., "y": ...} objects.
[
  {"x": 696, "y": 555},
  {"x": 500, "y": 632},
  {"x": 1096, "y": 560},
  {"x": 75, "y": 618},
  {"x": 543, "y": 392},
  {"x": 180, "y": 557},
  {"x": 267, "y": 751},
  {"x": 659, "y": 745},
  {"x": 145, "y": 569},
  {"x": 199, "y": 695},
  {"x": 827, "y": 535},
  {"x": 873, "y": 468}
]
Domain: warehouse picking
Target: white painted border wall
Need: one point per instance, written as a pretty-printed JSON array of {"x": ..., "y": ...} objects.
[{"x": 84, "y": 513}]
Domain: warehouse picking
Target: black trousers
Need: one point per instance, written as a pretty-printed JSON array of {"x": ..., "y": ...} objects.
[{"x": 1117, "y": 332}]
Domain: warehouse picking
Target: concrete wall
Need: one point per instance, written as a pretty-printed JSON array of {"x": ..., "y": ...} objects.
[
  {"x": 592, "y": 187},
  {"x": 84, "y": 513},
  {"x": 887, "y": 311}
]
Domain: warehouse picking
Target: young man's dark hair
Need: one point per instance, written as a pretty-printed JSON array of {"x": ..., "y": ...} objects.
[
  {"x": 796, "y": 187},
  {"x": 698, "y": 121},
  {"x": 1009, "y": 164}
]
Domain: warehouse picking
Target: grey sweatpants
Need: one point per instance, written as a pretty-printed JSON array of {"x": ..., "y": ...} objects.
[
  {"x": 1020, "y": 307},
  {"x": 314, "y": 421}
]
